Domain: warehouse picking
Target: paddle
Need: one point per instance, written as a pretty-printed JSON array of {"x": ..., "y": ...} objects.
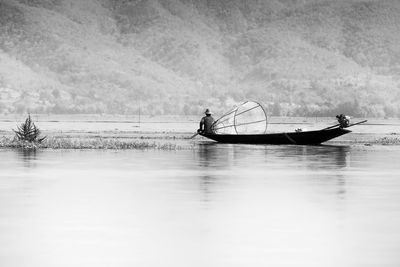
[
  {"x": 333, "y": 126},
  {"x": 193, "y": 136},
  {"x": 357, "y": 123}
]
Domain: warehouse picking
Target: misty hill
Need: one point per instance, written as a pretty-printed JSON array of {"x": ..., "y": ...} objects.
[{"x": 298, "y": 57}]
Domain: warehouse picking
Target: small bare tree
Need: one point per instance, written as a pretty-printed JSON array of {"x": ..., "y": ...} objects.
[{"x": 28, "y": 131}]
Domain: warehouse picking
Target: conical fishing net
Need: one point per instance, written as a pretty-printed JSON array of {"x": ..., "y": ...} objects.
[{"x": 247, "y": 118}]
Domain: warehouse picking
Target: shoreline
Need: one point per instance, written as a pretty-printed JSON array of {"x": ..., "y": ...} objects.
[{"x": 162, "y": 141}]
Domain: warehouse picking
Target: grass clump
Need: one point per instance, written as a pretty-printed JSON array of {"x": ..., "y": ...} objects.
[
  {"x": 27, "y": 135},
  {"x": 28, "y": 132},
  {"x": 388, "y": 141},
  {"x": 104, "y": 143},
  {"x": 88, "y": 143}
]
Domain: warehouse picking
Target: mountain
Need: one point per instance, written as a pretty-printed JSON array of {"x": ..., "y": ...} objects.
[{"x": 297, "y": 57}]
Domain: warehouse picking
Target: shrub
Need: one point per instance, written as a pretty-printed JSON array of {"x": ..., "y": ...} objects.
[{"x": 28, "y": 132}]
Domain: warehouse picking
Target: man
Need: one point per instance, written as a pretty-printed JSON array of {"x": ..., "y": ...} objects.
[
  {"x": 206, "y": 123},
  {"x": 343, "y": 120}
]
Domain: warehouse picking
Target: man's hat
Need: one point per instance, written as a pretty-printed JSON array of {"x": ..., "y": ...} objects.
[{"x": 208, "y": 112}]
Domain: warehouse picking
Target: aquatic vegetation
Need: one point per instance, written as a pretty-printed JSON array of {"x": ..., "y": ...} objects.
[
  {"x": 87, "y": 143},
  {"x": 5, "y": 142},
  {"x": 8, "y": 142},
  {"x": 103, "y": 143},
  {"x": 388, "y": 141},
  {"x": 27, "y": 133}
]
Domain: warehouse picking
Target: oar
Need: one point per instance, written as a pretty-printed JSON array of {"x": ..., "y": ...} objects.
[
  {"x": 333, "y": 126},
  {"x": 193, "y": 136},
  {"x": 357, "y": 123}
]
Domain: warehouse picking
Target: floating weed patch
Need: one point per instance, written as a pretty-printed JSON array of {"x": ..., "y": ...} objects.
[
  {"x": 88, "y": 143},
  {"x": 104, "y": 143},
  {"x": 388, "y": 141},
  {"x": 7, "y": 142}
]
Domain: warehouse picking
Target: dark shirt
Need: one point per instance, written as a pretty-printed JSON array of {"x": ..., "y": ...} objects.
[{"x": 206, "y": 123}]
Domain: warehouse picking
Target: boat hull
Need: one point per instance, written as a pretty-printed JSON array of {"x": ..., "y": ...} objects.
[{"x": 294, "y": 138}]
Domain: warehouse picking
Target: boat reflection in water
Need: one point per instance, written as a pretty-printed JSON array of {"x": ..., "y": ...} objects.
[
  {"x": 319, "y": 164},
  {"x": 216, "y": 155}
]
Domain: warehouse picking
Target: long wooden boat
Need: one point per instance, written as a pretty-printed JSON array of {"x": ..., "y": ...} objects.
[
  {"x": 247, "y": 124},
  {"x": 295, "y": 138}
]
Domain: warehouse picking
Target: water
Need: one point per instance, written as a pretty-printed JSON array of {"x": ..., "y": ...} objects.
[{"x": 215, "y": 205}]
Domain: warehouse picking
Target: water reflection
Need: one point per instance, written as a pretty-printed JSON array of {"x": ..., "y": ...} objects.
[
  {"x": 214, "y": 155},
  {"x": 28, "y": 157},
  {"x": 316, "y": 157},
  {"x": 322, "y": 166},
  {"x": 208, "y": 155}
]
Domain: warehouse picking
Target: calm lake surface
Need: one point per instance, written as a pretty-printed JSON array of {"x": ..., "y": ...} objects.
[{"x": 214, "y": 205}]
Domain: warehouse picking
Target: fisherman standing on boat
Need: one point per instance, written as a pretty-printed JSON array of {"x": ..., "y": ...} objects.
[{"x": 206, "y": 123}]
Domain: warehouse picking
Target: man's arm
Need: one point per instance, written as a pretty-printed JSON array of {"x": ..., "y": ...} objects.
[{"x": 201, "y": 129}]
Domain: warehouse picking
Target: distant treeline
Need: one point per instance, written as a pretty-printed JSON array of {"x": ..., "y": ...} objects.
[
  {"x": 155, "y": 57},
  {"x": 218, "y": 106}
]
